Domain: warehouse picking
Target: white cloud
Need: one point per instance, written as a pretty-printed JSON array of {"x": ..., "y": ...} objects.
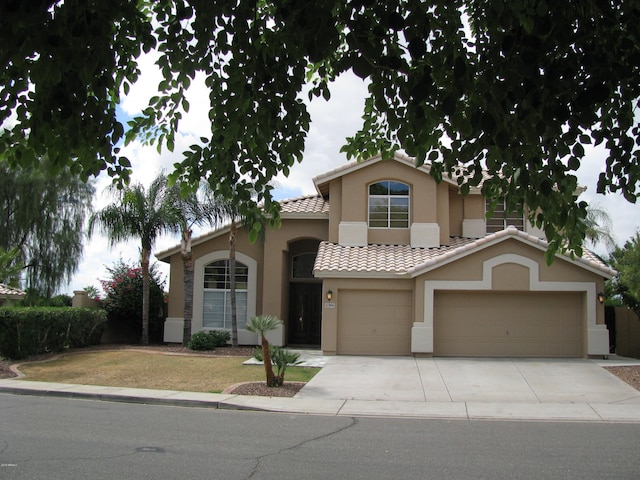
[
  {"x": 332, "y": 122},
  {"x": 625, "y": 216},
  {"x": 146, "y": 86}
]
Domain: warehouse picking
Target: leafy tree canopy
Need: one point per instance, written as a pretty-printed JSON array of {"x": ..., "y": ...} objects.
[
  {"x": 626, "y": 260},
  {"x": 41, "y": 223},
  {"x": 518, "y": 88},
  {"x": 10, "y": 267}
]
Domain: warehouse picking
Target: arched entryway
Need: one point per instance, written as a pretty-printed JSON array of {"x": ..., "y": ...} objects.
[{"x": 304, "y": 324}]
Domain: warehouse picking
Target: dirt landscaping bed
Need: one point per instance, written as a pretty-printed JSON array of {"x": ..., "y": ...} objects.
[{"x": 630, "y": 374}]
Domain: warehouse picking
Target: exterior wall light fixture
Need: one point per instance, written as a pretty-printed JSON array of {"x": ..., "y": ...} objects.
[
  {"x": 601, "y": 297},
  {"x": 329, "y": 295}
]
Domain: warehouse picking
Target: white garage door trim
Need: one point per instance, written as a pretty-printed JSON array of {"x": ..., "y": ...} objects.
[
  {"x": 509, "y": 323},
  {"x": 422, "y": 332}
]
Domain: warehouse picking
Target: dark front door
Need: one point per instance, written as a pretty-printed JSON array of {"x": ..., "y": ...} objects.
[{"x": 305, "y": 310}]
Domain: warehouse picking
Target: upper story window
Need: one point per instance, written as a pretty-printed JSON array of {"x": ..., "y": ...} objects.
[
  {"x": 502, "y": 219},
  {"x": 388, "y": 205},
  {"x": 217, "y": 299}
]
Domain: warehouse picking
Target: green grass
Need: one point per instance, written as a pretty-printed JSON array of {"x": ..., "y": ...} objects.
[{"x": 156, "y": 371}]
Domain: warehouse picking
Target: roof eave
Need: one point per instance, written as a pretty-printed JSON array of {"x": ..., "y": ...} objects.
[
  {"x": 321, "y": 181},
  {"x": 304, "y": 216},
  {"x": 165, "y": 255},
  {"x": 355, "y": 274},
  {"x": 510, "y": 233}
]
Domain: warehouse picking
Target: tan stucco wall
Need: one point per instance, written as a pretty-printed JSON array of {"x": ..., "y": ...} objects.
[
  {"x": 456, "y": 213},
  {"x": 276, "y": 264},
  {"x": 474, "y": 207},
  {"x": 510, "y": 277},
  {"x": 354, "y": 199},
  {"x": 176, "y": 287},
  {"x": 219, "y": 243},
  {"x": 442, "y": 204},
  {"x": 80, "y": 299},
  {"x": 335, "y": 209},
  {"x": 330, "y": 315},
  {"x": 272, "y": 272},
  {"x": 470, "y": 267}
]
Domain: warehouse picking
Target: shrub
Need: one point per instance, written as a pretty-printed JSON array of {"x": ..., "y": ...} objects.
[
  {"x": 123, "y": 301},
  {"x": 35, "y": 299},
  {"x": 209, "y": 340},
  {"x": 281, "y": 359},
  {"x": 36, "y": 330}
]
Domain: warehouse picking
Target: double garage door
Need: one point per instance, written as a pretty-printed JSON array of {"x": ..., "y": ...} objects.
[
  {"x": 486, "y": 324},
  {"x": 522, "y": 324}
]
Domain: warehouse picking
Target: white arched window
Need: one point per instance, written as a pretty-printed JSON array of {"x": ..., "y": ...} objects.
[
  {"x": 216, "y": 309},
  {"x": 388, "y": 204}
]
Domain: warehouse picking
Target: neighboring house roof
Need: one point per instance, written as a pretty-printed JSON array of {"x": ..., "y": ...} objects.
[
  {"x": 391, "y": 261},
  {"x": 9, "y": 292}
]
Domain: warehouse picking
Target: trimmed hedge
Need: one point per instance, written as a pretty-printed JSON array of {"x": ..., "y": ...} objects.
[
  {"x": 37, "y": 330},
  {"x": 209, "y": 340}
]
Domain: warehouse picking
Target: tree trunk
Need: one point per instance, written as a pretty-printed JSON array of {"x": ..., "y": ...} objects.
[
  {"x": 145, "y": 295},
  {"x": 232, "y": 283},
  {"x": 187, "y": 269},
  {"x": 268, "y": 367}
]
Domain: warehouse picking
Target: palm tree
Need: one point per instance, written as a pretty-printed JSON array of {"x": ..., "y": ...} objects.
[
  {"x": 195, "y": 208},
  {"x": 261, "y": 325},
  {"x": 140, "y": 213},
  {"x": 230, "y": 209},
  {"x": 598, "y": 227},
  {"x": 234, "y": 212}
]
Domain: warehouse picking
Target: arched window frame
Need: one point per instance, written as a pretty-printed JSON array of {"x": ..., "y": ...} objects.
[
  {"x": 299, "y": 273},
  {"x": 216, "y": 310},
  {"x": 198, "y": 290},
  {"x": 396, "y": 206}
]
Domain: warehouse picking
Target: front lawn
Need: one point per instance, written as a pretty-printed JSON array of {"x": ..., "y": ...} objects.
[{"x": 134, "y": 369}]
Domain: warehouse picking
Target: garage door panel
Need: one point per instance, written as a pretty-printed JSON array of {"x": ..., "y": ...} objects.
[
  {"x": 526, "y": 324},
  {"x": 374, "y": 322}
]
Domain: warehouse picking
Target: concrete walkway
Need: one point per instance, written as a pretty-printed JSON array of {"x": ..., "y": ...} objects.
[{"x": 505, "y": 389}]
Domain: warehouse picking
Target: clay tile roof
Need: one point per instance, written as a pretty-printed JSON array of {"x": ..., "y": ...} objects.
[
  {"x": 392, "y": 260},
  {"x": 383, "y": 259},
  {"x": 9, "y": 292},
  {"x": 312, "y": 204}
]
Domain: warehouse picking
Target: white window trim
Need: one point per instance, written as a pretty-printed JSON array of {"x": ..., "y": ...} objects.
[
  {"x": 389, "y": 197},
  {"x": 226, "y": 293},
  {"x": 198, "y": 289}
]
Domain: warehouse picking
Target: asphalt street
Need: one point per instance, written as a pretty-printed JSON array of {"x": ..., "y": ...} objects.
[{"x": 53, "y": 438}]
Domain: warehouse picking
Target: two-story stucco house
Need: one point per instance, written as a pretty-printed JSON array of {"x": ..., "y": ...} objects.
[{"x": 385, "y": 261}]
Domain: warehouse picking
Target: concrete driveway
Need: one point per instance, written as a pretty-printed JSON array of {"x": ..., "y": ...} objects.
[{"x": 495, "y": 380}]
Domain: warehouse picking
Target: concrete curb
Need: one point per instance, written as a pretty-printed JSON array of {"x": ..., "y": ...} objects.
[{"x": 553, "y": 412}]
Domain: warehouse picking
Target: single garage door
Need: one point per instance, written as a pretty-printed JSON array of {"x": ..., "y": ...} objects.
[
  {"x": 374, "y": 322},
  {"x": 508, "y": 324}
]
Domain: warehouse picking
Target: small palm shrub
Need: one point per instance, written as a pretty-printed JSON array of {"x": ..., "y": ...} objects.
[
  {"x": 281, "y": 359},
  {"x": 209, "y": 340},
  {"x": 261, "y": 325}
]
